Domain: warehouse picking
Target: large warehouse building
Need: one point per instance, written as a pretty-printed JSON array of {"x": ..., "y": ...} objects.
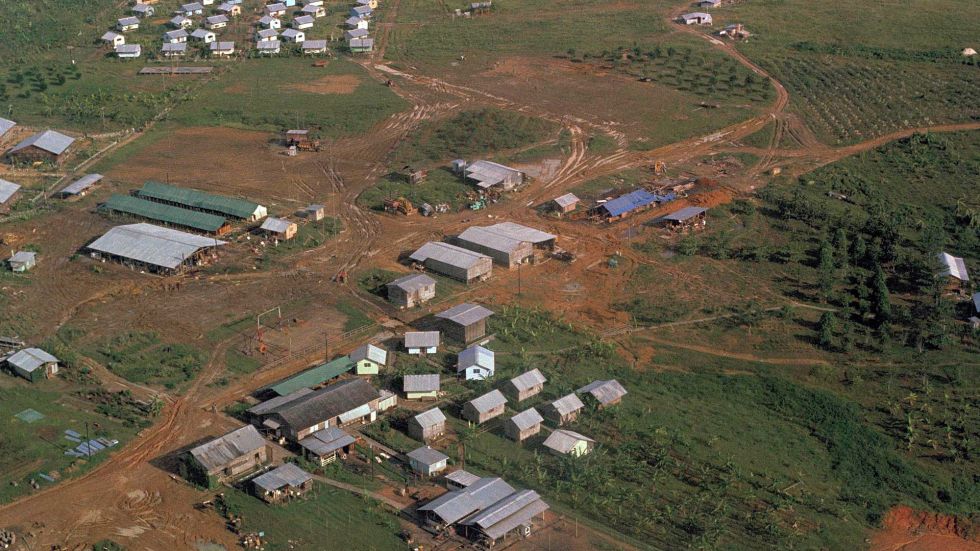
[{"x": 153, "y": 248}]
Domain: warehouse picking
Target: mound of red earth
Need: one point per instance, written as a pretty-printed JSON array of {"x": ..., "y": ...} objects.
[{"x": 905, "y": 529}]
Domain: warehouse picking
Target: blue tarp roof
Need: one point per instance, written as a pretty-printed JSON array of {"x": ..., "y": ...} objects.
[{"x": 631, "y": 201}]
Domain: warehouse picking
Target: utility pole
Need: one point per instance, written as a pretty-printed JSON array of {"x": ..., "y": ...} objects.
[{"x": 88, "y": 442}]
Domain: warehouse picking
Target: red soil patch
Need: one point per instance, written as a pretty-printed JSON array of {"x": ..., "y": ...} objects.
[
  {"x": 335, "y": 84},
  {"x": 905, "y": 529}
]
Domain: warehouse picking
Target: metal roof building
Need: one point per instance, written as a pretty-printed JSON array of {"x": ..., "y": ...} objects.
[
  {"x": 526, "y": 419},
  {"x": 466, "y": 322},
  {"x": 371, "y": 353},
  {"x": 483, "y": 408},
  {"x": 428, "y": 425},
  {"x": 30, "y": 359},
  {"x": 476, "y": 363},
  {"x": 313, "y": 377},
  {"x": 430, "y": 418},
  {"x": 521, "y": 232},
  {"x": 453, "y": 261},
  {"x": 685, "y": 214},
  {"x": 427, "y": 456},
  {"x": 627, "y": 203},
  {"x": 169, "y": 214},
  {"x": 51, "y": 141},
  {"x": 286, "y": 475},
  {"x": 421, "y": 339},
  {"x": 199, "y": 200},
  {"x": 510, "y": 513},
  {"x": 525, "y": 385},
  {"x": 568, "y": 405},
  {"x": 605, "y": 392},
  {"x": 154, "y": 246},
  {"x": 504, "y": 250},
  {"x": 953, "y": 266},
  {"x": 271, "y": 404},
  {"x": 428, "y": 382},
  {"x": 413, "y": 283},
  {"x": 81, "y": 186},
  {"x": 451, "y": 507},
  {"x": 327, "y": 441},
  {"x": 6, "y": 125},
  {"x": 462, "y": 479},
  {"x": 338, "y": 403},
  {"x": 564, "y": 441},
  {"x": 7, "y": 190},
  {"x": 217, "y": 453},
  {"x": 488, "y": 174}
]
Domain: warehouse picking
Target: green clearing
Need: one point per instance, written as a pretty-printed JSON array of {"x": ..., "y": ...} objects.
[
  {"x": 355, "y": 318},
  {"x": 328, "y": 519},
  {"x": 240, "y": 364},
  {"x": 27, "y": 449},
  {"x": 440, "y": 186},
  {"x": 141, "y": 357}
]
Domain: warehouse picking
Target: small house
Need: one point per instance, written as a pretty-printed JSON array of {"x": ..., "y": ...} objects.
[
  {"x": 181, "y": 22},
  {"x": 238, "y": 452},
  {"x": 303, "y": 22},
  {"x": 277, "y": 228},
  {"x": 126, "y": 24},
  {"x": 33, "y": 364},
  {"x": 373, "y": 4},
  {"x": 475, "y": 363},
  {"x": 525, "y": 385},
  {"x": 313, "y": 212},
  {"x": 356, "y": 23},
  {"x": 563, "y": 410},
  {"x": 175, "y": 36},
  {"x": 266, "y": 34},
  {"x": 604, "y": 393},
  {"x": 174, "y": 50},
  {"x": 7, "y": 191},
  {"x": 47, "y": 146},
  {"x": 204, "y": 36},
  {"x": 427, "y": 461},
  {"x": 411, "y": 290},
  {"x": 953, "y": 268},
  {"x": 216, "y": 22},
  {"x": 282, "y": 483},
  {"x": 491, "y": 175},
  {"x": 355, "y": 33},
  {"x": 696, "y": 18},
  {"x": 113, "y": 39},
  {"x": 22, "y": 261},
  {"x": 422, "y": 342},
  {"x": 566, "y": 442},
  {"x": 314, "y": 47},
  {"x": 269, "y": 22},
  {"x": 142, "y": 10},
  {"x": 81, "y": 186},
  {"x": 364, "y": 12},
  {"x": 276, "y": 10},
  {"x": 484, "y": 408},
  {"x": 222, "y": 49},
  {"x": 523, "y": 425},
  {"x": 428, "y": 425},
  {"x": 687, "y": 217},
  {"x": 293, "y": 35},
  {"x": 368, "y": 359},
  {"x": 361, "y": 45},
  {"x": 314, "y": 11},
  {"x": 460, "y": 480},
  {"x": 231, "y": 10},
  {"x": 193, "y": 8},
  {"x": 456, "y": 262},
  {"x": 326, "y": 445},
  {"x": 565, "y": 203},
  {"x": 421, "y": 387},
  {"x": 465, "y": 322}
]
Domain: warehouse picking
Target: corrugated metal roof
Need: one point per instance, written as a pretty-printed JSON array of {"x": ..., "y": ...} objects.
[
  {"x": 366, "y": 43},
  {"x": 49, "y": 140},
  {"x": 448, "y": 254},
  {"x": 488, "y": 401},
  {"x": 455, "y": 505},
  {"x": 275, "y": 225},
  {"x": 563, "y": 440},
  {"x": 427, "y": 456},
  {"x": 5, "y": 125},
  {"x": 131, "y": 49},
  {"x": 175, "y": 34},
  {"x": 527, "y": 419},
  {"x": 288, "y": 474},
  {"x": 292, "y": 33},
  {"x": 214, "y": 19},
  {"x": 370, "y": 352},
  {"x": 109, "y": 36},
  {"x": 222, "y": 46},
  {"x": 327, "y": 403},
  {"x": 430, "y": 418},
  {"x": 192, "y": 6},
  {"x": 152, "y": 244},
  {"x": 142, "y": 8},
  {"x": 421, "y": 339},
  {"x": 462, "y": 478},
  {"x": 275, "y": 7},
  {"x": 604, "y": 391},
  {"x": 29, "y": 359},
  {"x": 520, "y": 232},
  {"x": 493, "y": 241},
  {"x": 510, "y": 513},
  {"x": 567, "y": 200},
  {"x": 976, "y": 302},
  {"x": 488, "y": 173},
  {"x": 165, "y": 213},
  {"x": 219, "y": 452},
  {"x": 528, "y": 380},
  {"x": 361, "y": 10},
  {"x": 685, "y": 214},
  {"x": 327, "y": 441},
  {"x": 231, "y": 206},
  {"x": 313, "y": 377},
  {"x": 178, "y": 20},
  {"x": 954, "y": 266},
  {"x": 170, "y": 47},
  {"x": 269, "y": 405},
  {"x": 201, "y": 34},
  {"x": 314, "y": 44},
  {"x": 127, "y": 21},
  {"x": 465, "y": 314},
  {"x": 428, "y": 382},
  {"x": 268, "y": 45},
  {"x": 23, "y": 257},
  {"x": 7, "y": 190},
  {"x": 304, "y": 20},
  {"x": 353, "y": 21},
  {"x": 475, "y": 356},
  {"x": 356, "y": 33},
  {"x": 567, "y": 404},
  {"x": 631, "y": 201},
  {"x": 412, "y": 283}
]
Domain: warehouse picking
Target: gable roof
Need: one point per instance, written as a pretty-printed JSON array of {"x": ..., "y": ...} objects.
[
  {"x": 30, "y": 359},
  {"x": 272, "y": 404},
  {"x": 465, "y": 314},
  {"x": 109, "y": 36},
  {"x": 7, "y": 124},
  {"x": 527, "y": 419},
  {"x": 604, "y": 391},
  {"x": 976, "y": 302},
  {"x": 129, "y": 49},
  {"x": 427, "y": 456},
  {"x": 327, "y": 403},
  {"x": 413, "y": 282},
  {"x": 421, "y": 339},
  {"x": 370, "y": 352},
  {"x": 953, "y": 266},
  {"x": 488, "y": 173},
  {"x": 357, "y": 33},
  {"x": 176, "y": 33},
  {"x": 163, "y": 212},
  {"x": 222, "y": 450},
  {"x": 463, "y": 478},
  {"x": 268, "y": 45},
  {"x": 288, "y": 474},
  {"x": 222, "y": 46},
  {"x": 304, "y": 20},
  {"x": 129, "y": 20},
  {"x": 430, "y": 418},
  {"x": 475, "y": 356},
  {"x": 292, "y": 33},
  {"x": 630, "y": 201},
  {"x": 326, "y": 441},
  {"x": 202, "y": 33},
  {"x": 528, "y": 380},
  {"x": 520, "y": 232},
  {"x": 569, "y": 403},
  {"x": 313, "y": 377},
  {"x": 495, "y": 242},
  {"x": 214, "y": 19},
  {"x": 685, "y": 214},
  {"x": 271, "y": 224},
  {"x": 314, "y": 44},
  {"x": 488, "y": 401},
  {"x": 49, "y": 140},
  {"x": 23, "y": 257},
  {"x": 174, "y": 47},
  {"x": 448, "y": 254},
  {"x": 508, "y": 513},
  {"x": 7, "y": 190},
  {"x": 231, "y": 206},
  {"x": 564, "y": 440},
  {"x": 428, "y": 382},
  {"x": 453, "y": 506},
  {"x": 566, "y": 200}
]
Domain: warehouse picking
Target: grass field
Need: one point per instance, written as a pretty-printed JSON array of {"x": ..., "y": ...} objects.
[
  {"x": 328, "y": 519},
  {"x": 441, "y": 186},
  {"x": 27, "y": 449},
  {"x": 142, "y": 357}
]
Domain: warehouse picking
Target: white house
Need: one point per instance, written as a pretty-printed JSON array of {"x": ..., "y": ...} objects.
[
  {"x": 293, "y": 35},
  {"x": 176, "y": 36},
  {"x": 312, "y": 2},
  {"x": 204, "y": 35},
  {"x": 266, "y": 34},
  {"x": 207, "y": 2},
  {"x": 268, "y": 47},
  {"x": 222, "y": 49},
  {"x": 356, "y": 23},
  {"x": 113, "y": 39},
  {"x": 194, "y": 8},
  {"x": 174, "y": 50},
  {"x": 141, "y": 10},
  {"x": 355, "y": 33},
  {"x": 276, "y": 10},
  {"x": 373, "y": 4},
  {"x": 216, "y": 22},
  {"x": 696, "y": 18},
  {"x": 126, "y": 24},
  {"x": 181, "y": 22},
  {"x": 427, "y": 461},
  {"x": 229, "y": 9},
  {"x": 128, "y": 51},
  {"x": 303, "y": 22},
  {"x": 269, "y": 22},
  {"x": 475, "y": 363},
  {"x": 315, "y": 11},
  {"x": 314, "y": 46},
  {"x": 422, "y": 342}
]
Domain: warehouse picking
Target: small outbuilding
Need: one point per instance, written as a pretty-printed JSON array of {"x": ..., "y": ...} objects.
[
  {"x": 954, "y": 269},
  {"x": 460, "y": 480},
  {"x": 566, "y": 442},
  {"x": 475, "y": 363},
  {"x": 7, "y": 191},
  {"x": 313, "y": 212},
  {"x": 22, "y": 261},
  {"x": 294, "y": 35},
  {"x": 525, "y": 385},
  {"x": 421, "y": 387},
  {"x": 129, "y": 51},
  {"x": 456, "y": 262},
  {"x": 282, "y": 484},
  {"x": 204, "y": 36},
  {"x": 33, "y": 364},
  {"x": 422, "y": 342},
  {"x": 268, "y": 22},
  {"x": 563, "y": 410},
  {"x": 127, "y": 24},
  {"x": 326, "y": 445},
  {"x": 687, "y": 217},
  {"x": 369, "y": 359},
  {"x": 565, "y": 203},
  {"x": 141, "y": 10},
  {"x": 181, "y": 22},
  {"x": 279, "y": 228},
  {"x": 427, "y": 461},
  {"x": 113, "y": 39},
  {"x": 466, "y": 322},
  {"x": 428, "y": 425},
  {"x": 696, "y": 18},
  {"x": 48, "y": 146},
  {"x": 605, "y": 393},
  {"x": 484, "y": 408},
  {"x": 523, "y": 425},
  {"x": 411, "y": 290}
]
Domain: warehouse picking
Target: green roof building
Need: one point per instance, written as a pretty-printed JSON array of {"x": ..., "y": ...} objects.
[
  {"x": 199, "y": 200},
  {"x": 168, "y": 214},
  {"x": 313, "y": 377}
]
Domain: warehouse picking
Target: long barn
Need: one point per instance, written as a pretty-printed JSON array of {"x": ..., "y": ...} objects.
[
  {"x": 153, "y": 248},
  {"x": 198, "y": 200},
  {"x": 168, "y": 214}
]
